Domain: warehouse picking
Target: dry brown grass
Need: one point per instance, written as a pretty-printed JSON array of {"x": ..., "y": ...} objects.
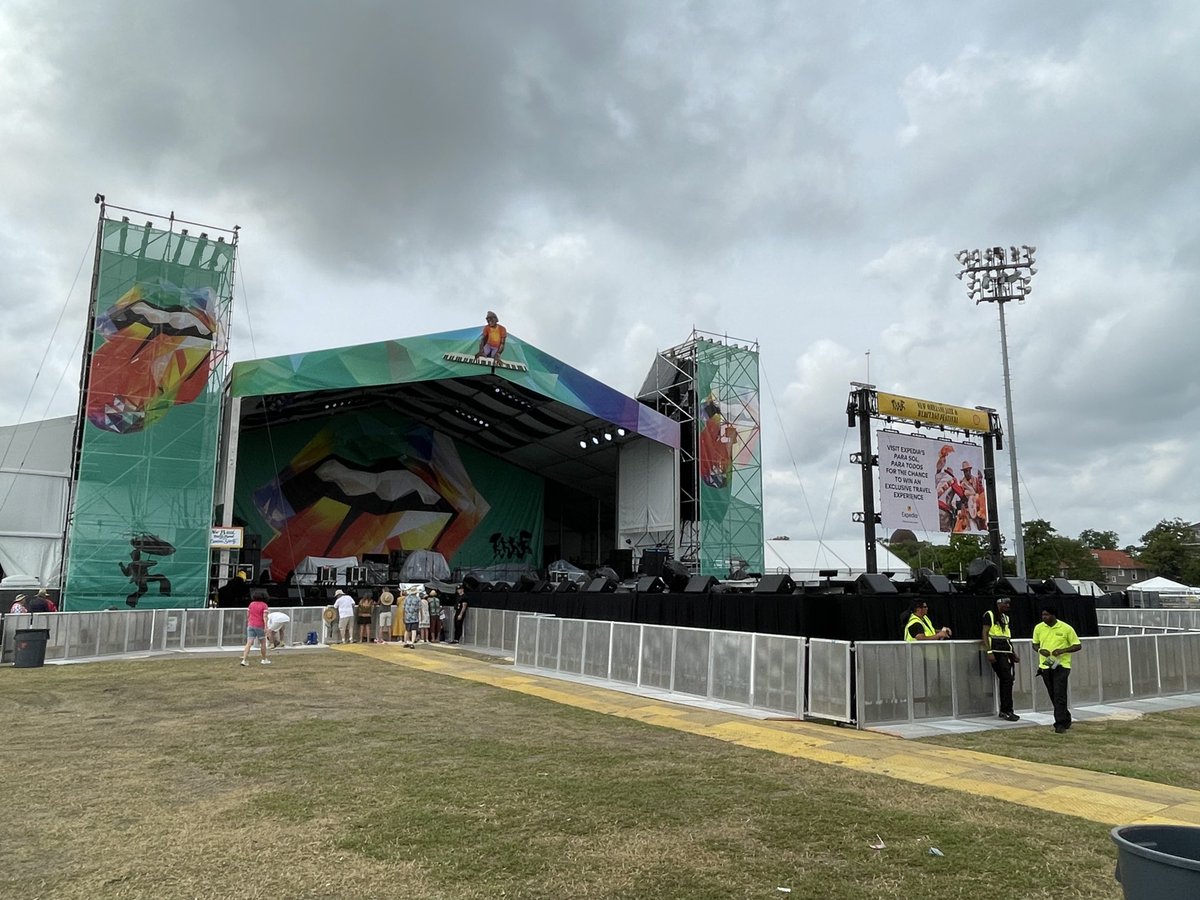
[{"x": 334, "y": 775}]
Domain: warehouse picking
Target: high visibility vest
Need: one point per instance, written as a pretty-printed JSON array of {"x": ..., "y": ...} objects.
[
  {"x": 999, "y": 635},
  {"x": 923, "y": 621}
]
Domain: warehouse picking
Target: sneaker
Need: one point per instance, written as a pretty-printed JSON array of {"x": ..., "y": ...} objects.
[
  {"x": 266, "y": 662},
  {"x": 1010, "y": 717},
  {"x": 243, "y": 663}
]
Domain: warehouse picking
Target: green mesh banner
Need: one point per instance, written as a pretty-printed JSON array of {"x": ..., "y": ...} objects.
[
  {"x": 372, "y": 481},
  {"x": 727, "y": 424},
  {"x": 142, "y": 512}
]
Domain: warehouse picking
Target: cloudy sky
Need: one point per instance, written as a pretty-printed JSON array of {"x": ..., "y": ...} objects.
[{"x": 610, "y": 175}]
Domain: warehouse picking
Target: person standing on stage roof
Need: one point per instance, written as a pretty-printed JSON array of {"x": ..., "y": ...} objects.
[
  {"x": 492, "y": 339},
  {"x": 1055, "y": 641},
  {"x": 997, "y": 644},
  {"x": 920, "y": 628}
]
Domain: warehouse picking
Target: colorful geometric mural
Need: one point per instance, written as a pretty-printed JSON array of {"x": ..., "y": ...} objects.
[
  {"x": 142, "y": 512},
  {"x": 371, "y": 481}
]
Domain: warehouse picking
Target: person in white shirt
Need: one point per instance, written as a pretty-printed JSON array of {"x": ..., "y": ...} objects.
[
  {"x": 345, "y": 606},
  {"x": 275, "y": 622}
]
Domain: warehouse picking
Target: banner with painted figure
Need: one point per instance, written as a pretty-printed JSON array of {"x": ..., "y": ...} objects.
[
  {"x": 372, "y": 481},
  {"x": 142, "y": 512},
  {"x": 928, "y": 485},
  {"x": 728, "y": 457}
]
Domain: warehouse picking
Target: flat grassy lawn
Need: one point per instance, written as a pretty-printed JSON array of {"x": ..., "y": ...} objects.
[
  {"x": 335, "y": 775},
  {"x": 1159, "y": 747}
]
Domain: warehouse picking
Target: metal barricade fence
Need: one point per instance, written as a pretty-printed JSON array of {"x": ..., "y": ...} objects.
[
  {"x": 761, "y": 671},
  {"x": 491, "y": 629},
  {"x": 1165, "y": 619},
  {"x": 91, "y": 635},
  {"x": 900, "y": 681}
]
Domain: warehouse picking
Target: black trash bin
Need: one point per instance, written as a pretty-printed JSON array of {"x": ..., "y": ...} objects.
[
  {"x": 29, "y": 647},
  {"x": 1158, "y": 861}
]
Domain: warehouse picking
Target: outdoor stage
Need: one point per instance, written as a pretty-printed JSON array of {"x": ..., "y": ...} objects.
[{"x": 844, "y": 617}]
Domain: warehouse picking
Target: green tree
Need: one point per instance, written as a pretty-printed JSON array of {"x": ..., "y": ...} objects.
[
  {"x": 1049, "y": 554},
  {"x": 1170, "y": 549},
  {"x": 1098, "y": 540},
  {"x": 951, "y": 559}
]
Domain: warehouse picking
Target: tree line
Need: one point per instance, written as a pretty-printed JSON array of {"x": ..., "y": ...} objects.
[{"x": 1170, "y": 549}]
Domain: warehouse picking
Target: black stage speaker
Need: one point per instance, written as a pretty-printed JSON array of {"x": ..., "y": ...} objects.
[
  {"x": 501, "y": 587},
  {"x": 652, "y": 562},
  {"x": 930, "y": 582},
  {"x": 602, "y": 585},
  {"x": 700, "y": 584},
  {"x": 608, "y": 572},
  {"x": 981, "y": 575},
  {"x": 675, "y": 574},
  {"x": 1059, "y": 586},
  {"x": 874, "y": 583},
  {"x": 1012, "y": 586},
  {"x": 566, "y": 586},
  {"x": 651, "y": 584},
  {"x": 541, "y": 587},
  {"x": 621, "y": 562},
  {"x": 395, "y": 565},
  {"x": 471, "y": 583},
  {"x": 525, "y": 583},
  {"x": 775, "y": 584}
]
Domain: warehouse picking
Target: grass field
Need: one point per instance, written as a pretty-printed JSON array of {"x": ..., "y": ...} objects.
[{"x": 335, "y": 775}]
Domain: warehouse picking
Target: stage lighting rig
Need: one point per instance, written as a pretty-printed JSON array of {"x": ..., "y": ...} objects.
[{"x": 996, "y": 275}]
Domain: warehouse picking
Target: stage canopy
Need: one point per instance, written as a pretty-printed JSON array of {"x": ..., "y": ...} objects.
[
  {"x": 532, "y": 417},
  {"x": 805, "y": 559}
]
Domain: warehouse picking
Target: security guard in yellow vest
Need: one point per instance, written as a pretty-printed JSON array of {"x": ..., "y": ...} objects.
[
  {"x": 920, "y": 628},
  {"x": 997, "y": 644}
]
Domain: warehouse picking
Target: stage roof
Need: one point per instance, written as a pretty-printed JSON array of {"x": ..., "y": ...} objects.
[{"x": 533, "y": 414}]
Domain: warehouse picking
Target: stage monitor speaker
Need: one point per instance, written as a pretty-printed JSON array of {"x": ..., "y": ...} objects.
[
  {"x": 501, "y": 587},
  {"x": 602, "y": 585},
  {"x": 652, "y": 562},
  {"x": 541, "y": 587},
  {"x": 1063, "y": 586},
  {"x": 651, "y": 584},
  {"x": 981, "y": 575},
  {"x": 930, "y": 582},
  {"x": 1012, "y": 586},
  {"x": 566, "y": 586},
  {"x": 775, "y": 584},
  {"x": 620, "y": 563},
  {"x": 525, "y": 584},
  {"x": 874, "y": 583},
  {"x": 700, "y": 584},
  {"x": 676, "y": 575},
  {"x": 471, "y": 583}
]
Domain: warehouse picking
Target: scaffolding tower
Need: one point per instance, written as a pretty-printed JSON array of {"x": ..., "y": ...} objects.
[{"x": 709, "y": 384}]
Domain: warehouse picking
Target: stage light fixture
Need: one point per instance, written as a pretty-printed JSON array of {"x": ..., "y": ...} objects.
[
  {"x": 595, "y": 440},
  {"x": 582, "y": 444},
  {"x": 621, "y": 432},
  {"x": 994, "y": 275},
  {"x": 608, "y": 435}
]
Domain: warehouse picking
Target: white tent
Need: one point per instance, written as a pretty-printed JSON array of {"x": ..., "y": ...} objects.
[
  {"x": 804, "y": 560},
  {"x": 1159, "y": 583},
  {"x": 35, "y": 481}
]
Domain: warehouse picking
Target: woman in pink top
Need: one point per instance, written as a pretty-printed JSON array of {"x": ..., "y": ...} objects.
[{"x": 256, "y": 627}]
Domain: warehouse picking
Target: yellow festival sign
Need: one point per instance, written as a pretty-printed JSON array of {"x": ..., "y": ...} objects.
[{"x": 898, "y": 407}]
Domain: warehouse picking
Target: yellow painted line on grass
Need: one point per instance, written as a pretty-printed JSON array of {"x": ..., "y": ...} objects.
[{"x": 1095, "y": 796}]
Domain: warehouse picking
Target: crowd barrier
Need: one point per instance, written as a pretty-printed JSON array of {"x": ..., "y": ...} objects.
[
  {"x": 900, "y": 682},
  {"x": 93, "y": 635},
  {"x": 1163, "y": 619}
]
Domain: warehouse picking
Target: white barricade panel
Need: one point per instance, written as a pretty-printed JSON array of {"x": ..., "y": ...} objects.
[
  {"x": 570, "y": 654},
  {"x": 1143, "y": 665},
  {"x": 595, "y": 657},
  {"x": 778, "y": 674},
  {"x": 548, "y": 634},
  {"x": 626, "y": 649},
  {"x": 884, "y": 694},
  {"x": 829, "y": 670},
  {"x": 656, "y": 656},
  {"x": 732, "y": 655},
  {"x": 692, "y": 652}
]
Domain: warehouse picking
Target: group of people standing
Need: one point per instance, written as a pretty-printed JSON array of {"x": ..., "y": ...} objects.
[
  {"x": 409, "y": 617},
  {"x": 1054, "y": 641}
]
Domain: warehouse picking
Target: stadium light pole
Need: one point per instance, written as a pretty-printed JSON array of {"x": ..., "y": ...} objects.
[{"x": 994, "y": 275}]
